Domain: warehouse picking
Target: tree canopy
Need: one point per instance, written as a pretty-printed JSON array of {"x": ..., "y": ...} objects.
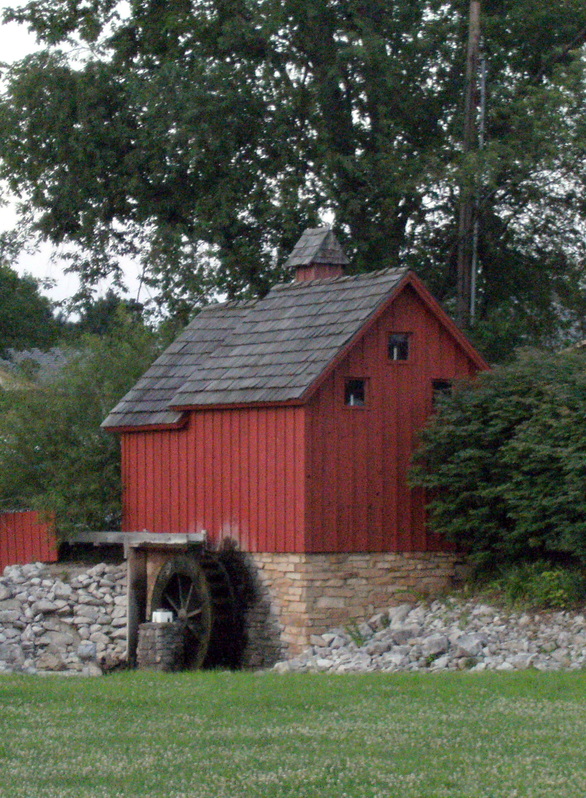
[
  {"x": 26, "y": 316},
  {"x": 202, "y": 136}
]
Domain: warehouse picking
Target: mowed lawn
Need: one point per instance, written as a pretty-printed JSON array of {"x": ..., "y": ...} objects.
[{"x": 237, "y": 735}]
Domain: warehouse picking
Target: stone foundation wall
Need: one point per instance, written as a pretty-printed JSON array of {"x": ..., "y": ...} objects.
[{"x": 299, "y": 595}]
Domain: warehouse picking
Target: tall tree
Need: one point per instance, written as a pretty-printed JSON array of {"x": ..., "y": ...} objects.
[
  {"x": 53, "y": 455},
  {"x": 202, "y": 136}
]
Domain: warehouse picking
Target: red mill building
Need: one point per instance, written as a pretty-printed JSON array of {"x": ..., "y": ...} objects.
[{"x": 280, "y": 431}]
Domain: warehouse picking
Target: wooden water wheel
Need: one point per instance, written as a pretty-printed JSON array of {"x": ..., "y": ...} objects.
[{"x": 198, "y": 592}]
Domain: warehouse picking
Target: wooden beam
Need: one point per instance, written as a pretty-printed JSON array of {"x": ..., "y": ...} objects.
[{"x": 131, "y": 540}]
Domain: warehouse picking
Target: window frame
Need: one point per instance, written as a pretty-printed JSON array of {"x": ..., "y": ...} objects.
[
  {"x": 408, "y": 339},
  {"x": 349, "y": 406}
]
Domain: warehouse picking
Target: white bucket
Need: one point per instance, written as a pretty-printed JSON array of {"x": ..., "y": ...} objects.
[{"x": 162, "y": 616}]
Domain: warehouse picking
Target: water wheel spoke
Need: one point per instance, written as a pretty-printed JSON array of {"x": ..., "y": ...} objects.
[
  {"x": 174, "y": 606},
  {"x": 188, "y": 599},
  {"x": 195, "y": 612}
]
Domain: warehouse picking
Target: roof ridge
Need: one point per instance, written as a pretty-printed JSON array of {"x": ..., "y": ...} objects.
[{"x": 343, "y": 278}]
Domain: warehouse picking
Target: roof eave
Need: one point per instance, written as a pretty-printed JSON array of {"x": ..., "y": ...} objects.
[{"x": 147, "y": 427}]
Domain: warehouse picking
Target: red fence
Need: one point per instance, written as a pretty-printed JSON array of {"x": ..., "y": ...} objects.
[{"x": 25, "y": 538}]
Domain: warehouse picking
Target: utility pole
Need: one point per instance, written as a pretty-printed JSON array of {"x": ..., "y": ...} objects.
[{"x": 467, "y": 200}]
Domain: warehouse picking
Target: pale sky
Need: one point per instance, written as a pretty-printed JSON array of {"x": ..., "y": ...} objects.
[{"x": 15, "y": 43}]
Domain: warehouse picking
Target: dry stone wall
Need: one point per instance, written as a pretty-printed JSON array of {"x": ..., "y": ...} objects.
[{"x": 53, "y": 618}]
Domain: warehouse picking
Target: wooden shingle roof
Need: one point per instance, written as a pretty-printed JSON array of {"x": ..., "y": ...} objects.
[
  {"x": 269, "y": 350},
  {"x": 148, "y": 402}
]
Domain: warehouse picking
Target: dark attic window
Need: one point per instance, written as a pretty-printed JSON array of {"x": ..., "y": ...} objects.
[
  {"x": 399, "y": 346},
  {"x": 440, "y": 388},
  {"x": 355, "y": 393}
]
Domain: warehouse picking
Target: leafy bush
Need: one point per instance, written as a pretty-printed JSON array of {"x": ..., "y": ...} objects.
[
  {"x": 540, "y": 584},
  {"x": 504, "y": 460}
]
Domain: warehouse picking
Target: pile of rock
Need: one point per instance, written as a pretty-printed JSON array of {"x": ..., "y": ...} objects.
[
  {"x": 449, "y": 635},
  {"x": 52, "y": 621}
]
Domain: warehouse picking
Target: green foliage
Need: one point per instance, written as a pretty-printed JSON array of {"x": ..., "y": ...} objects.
[
  {"x": 203, "y": 137},
  {"x": 53, "y": 455},
  {"x": 26, "y": 318},
  {"x": 101, "y": 316},
  {"x": 540, "y": 585},
  {"x": 504, "y": 460},
  {"x": 355, "y": 634}
]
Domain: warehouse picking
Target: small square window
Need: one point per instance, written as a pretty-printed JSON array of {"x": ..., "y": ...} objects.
[
  {"x": 399, "y": 346},
  {"x": 355, "y": 393}
]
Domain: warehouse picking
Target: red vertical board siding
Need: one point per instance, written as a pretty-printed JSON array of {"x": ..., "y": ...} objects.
[
  {"x": 25, "y": 538},
  {"x": 358, "y": 458},
  {"x": 243, "y": 479},
  {"x": 235, "y": 473},
  {"x": 254, "y": 541},
  {"x": 3, "y": 545}
]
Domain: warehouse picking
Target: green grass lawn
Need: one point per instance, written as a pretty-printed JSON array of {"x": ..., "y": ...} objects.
[{"x": 224, "y": 735}]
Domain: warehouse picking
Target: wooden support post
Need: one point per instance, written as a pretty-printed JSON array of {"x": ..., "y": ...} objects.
[{"x": 136, "y": 598}]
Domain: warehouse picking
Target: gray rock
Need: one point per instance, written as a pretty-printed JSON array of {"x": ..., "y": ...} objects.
[
  {"x": 87, "y": 611},
  {"x": 12, "y": 654},
  {"x": 398, "y": 614},
  {"x": 82, "y": 620},
  {"x": 9, "y": 617},
  {"x": 378, "y": 647},
  {"x": 63, "y": 591},
  {"x": 99, "y": 638},
  {"x": 402, "y": 635},
  {"x": 5, "y": 593},
  {"x": 50, "y": 662},
  {"x": 91, "y": 669},
  {"x": 468, "y": 646},
  {"x": 45, "y": 607},
  {"x": 440, "y": 663},
  {"x": 10, "y": 604},
  {"x": 86, "y": 651},
  {"x": 434, "y": 645}
]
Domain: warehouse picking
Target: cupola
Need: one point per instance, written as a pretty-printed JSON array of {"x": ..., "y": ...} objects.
[{"x": 317, "y": 255}]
